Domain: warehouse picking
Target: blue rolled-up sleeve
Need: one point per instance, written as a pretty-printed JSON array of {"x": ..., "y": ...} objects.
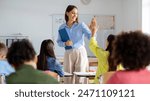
[{"x": 86, "y": 30}]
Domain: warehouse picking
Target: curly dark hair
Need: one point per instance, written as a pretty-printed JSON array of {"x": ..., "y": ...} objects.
[
  {"x": 132, "y": 50},
  {"x": 20, "y": 52}
]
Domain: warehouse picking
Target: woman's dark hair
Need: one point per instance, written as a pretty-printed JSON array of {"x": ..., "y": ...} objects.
[
  {"x": 109, "y": 48},
  {"x": 132, "y": 50},
  {"x": 20, "y": 52},
  {"x": 68, "y": 9},
  {"x": 47, "y": 50}
]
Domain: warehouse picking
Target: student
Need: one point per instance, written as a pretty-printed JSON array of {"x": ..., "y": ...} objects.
[
  {"x": 132, "y": 50},
  {"x": 101, "y": 54},
  {"x": 22, "y": 56},
  {"x": 75, "y": 58},
  {"x": 47, "y": 60},
  {"x": 5, "y": 67}
]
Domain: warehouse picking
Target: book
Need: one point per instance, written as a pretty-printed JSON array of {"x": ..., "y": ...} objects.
[{"x": 64, "y": 37}]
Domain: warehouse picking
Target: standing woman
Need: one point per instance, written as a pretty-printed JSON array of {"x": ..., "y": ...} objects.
[{"x": 71, "y": 37}]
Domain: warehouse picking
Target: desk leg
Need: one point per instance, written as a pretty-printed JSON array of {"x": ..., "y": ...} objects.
[{"x": 61, "y": 80}]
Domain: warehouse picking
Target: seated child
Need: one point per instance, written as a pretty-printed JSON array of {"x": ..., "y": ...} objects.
[
  {"x": 132, "y": 50},
  {"x": 5, "y": 67},
  {"x": 22, "y": 56},
  {"x": 47, "y": 60}
]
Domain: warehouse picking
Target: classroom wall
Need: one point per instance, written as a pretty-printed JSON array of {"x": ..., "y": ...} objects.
[
  {"x": 132, "y": 15},
  {"x": 146, "y": 16},
  {"x": 34, "y": 17}
]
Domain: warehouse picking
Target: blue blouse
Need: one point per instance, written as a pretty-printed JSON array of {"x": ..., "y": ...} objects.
[
  {"x": 76, "y": 34},
  {"x": 55, "y": 66},
  {"x": 6, "y": 68}
]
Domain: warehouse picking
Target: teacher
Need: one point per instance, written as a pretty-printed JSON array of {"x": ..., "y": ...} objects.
[{"x": 71, "y": 36}]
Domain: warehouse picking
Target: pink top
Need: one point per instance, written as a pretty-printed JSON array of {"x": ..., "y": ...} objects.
[{"x": 130, "y": 77}]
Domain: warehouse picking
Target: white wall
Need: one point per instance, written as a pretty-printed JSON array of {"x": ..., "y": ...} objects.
[
  {"x": 132, "y": 15},
  {"x": 146, "y": 16},
  {"x": 33, "y": 17}
]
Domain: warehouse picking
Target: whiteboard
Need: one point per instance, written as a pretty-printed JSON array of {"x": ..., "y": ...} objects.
[{"x": 106, "y": 26}]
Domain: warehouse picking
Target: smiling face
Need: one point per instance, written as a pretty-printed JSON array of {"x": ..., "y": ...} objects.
[{"x": 72, "y": 15}]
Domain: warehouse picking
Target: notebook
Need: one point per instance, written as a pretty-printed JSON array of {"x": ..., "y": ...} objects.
[{"x": 64, "y": 37}]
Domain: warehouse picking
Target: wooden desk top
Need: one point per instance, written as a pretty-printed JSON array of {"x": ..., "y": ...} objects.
[
  {"x": 85, "y": 74},
  {"x": 66, "y": 74},
  {"x": 92, "y": 61}
]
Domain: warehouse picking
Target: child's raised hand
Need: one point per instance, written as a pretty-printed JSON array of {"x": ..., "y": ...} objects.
[{"x": 93, "y": 26}]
